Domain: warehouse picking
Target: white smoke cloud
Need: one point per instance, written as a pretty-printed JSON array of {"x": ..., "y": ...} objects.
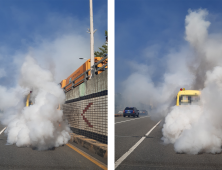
[
  {"x": 65, "y": 52},
  {"x": 56, "y": 45},
  {"x": 196, "y": 27},
  {"x": 179, "y": 119},
  {"x": 141, "y": 91},
  {"x": 9, "y": 97},
  {"x": 55, "y": 48},
  {"x": 41, "y": 125},
  {"x": 195, "y": 128}
]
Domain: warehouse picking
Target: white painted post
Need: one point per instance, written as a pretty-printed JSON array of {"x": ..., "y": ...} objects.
[{"x": 91, "y": 36}]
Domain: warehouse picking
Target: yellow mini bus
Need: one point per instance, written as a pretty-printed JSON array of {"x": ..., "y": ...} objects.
[
  {"x": 187, "y": 97},
  {"x": 28, "y": 101}
]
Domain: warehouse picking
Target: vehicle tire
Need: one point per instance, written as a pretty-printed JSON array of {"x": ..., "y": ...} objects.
[
  {"x": 128, "y": 116},
  {"x": 133, "y": 115},
  {"x": 138, "y": 115},
  {"x": 124, "y": 115}
]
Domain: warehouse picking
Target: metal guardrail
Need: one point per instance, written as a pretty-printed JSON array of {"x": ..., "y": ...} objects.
[
  {"x": 73, "y": 82},
  {"x": 94, "y": 70}
]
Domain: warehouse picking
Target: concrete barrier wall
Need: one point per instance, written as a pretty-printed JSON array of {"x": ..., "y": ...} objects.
[
  {"x": 86, "y": 108},
  {"x": 96, "y": 84}
]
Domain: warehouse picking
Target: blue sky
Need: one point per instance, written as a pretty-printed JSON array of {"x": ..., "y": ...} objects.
[
  {"x": 53, "y": 31},
  {"x": 148, "y": 30}
]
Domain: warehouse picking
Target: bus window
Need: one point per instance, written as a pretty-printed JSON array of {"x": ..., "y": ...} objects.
[{"x": 189, "y": 99}]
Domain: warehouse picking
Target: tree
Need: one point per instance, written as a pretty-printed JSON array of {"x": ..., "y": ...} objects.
[{"x": 103, "y": 49}]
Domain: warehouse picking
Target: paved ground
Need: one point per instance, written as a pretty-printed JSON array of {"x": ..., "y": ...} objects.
[
  {"x": 151, "y": 153},
  {"x": 61, "y": 158}
]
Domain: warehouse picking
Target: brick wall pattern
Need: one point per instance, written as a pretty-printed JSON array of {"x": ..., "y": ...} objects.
[{"x": 88, "y": 116}]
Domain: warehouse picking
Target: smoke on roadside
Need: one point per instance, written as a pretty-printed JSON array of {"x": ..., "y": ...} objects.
[
  {"x": 41, "y": 125},
  {"x": 195, "y": 128},
  {"x": 56, "y": 47}
]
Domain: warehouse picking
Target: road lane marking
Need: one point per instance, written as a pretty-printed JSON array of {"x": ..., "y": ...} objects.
[
  {"x": 2, "y": 130},
  {"x": 122, "y": 158},
  {"x": 132, "y": 136},
  {"x": 132, "y": 119},
  {"x": 95, "y": 161}
]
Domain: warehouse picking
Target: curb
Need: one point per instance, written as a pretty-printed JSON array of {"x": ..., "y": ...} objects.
[
  {"x": 118, "y": 115},
  {"x": 90, "y": 144}
]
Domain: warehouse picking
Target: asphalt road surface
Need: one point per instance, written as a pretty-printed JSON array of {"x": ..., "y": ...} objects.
[
  {"x": 61, "y": 158},
  {"x": 151, "y": 153}
]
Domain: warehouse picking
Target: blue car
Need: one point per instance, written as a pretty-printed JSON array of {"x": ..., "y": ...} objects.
[{"x": 131, "y": 111}]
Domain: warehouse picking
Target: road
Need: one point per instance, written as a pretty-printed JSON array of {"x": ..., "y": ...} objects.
[
  {"x": 61, "y": 158},
  {"x": 151, "y": 153}
]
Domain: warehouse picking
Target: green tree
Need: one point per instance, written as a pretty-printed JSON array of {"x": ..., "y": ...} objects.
[{"x": 103, "y": 49}]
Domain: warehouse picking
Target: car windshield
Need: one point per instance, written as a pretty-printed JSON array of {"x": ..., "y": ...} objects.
[{"x": 189, "y": 99}]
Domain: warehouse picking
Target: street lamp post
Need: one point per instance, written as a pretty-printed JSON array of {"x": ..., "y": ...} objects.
[
  {"x": 91, "y": 34},
  {"x": 91, "y": 31}
]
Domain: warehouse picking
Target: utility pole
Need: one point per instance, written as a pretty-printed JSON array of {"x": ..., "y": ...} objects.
[{"x": 91, "y": 31}]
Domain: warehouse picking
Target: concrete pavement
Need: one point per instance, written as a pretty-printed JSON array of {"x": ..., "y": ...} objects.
[
  {"x": 152, "y": 153},
  {"x": 26, "y": 158}
]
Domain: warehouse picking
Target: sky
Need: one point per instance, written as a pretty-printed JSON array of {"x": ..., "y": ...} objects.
[
  {"x": 54, "y": 32},
  {"x": 147, "y": 32}
]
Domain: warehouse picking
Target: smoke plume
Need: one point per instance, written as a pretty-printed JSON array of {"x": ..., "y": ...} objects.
[
  {"x": 191, "y": 129},
  {"x": 40, "y": 126},
  {"x": 195, "y": 129}
]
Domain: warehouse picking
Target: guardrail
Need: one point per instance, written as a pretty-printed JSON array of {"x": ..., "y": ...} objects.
[{"x": 94, "y": 71}]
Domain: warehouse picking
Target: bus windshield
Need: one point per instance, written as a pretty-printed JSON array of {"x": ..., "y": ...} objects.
[{"x": 189, "y": 99}]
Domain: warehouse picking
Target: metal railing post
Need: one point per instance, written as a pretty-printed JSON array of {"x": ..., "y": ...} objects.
[
  {"x": 85, "y": 76},
  {"x": 94, "y": 69}
]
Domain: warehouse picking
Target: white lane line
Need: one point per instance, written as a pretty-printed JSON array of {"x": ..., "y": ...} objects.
[
  {"x": 122, "y": 158},
  {"x": 132, "y": 119},
  {"x": 2, "y": 130}
]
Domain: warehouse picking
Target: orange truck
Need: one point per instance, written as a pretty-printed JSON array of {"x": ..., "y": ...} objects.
[{"x": 79, "y": 71}]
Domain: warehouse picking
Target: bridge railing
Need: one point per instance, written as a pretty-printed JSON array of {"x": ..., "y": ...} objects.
[
  {"x": 96, "y": 68},
  {"x": 86, "y": 75}
]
